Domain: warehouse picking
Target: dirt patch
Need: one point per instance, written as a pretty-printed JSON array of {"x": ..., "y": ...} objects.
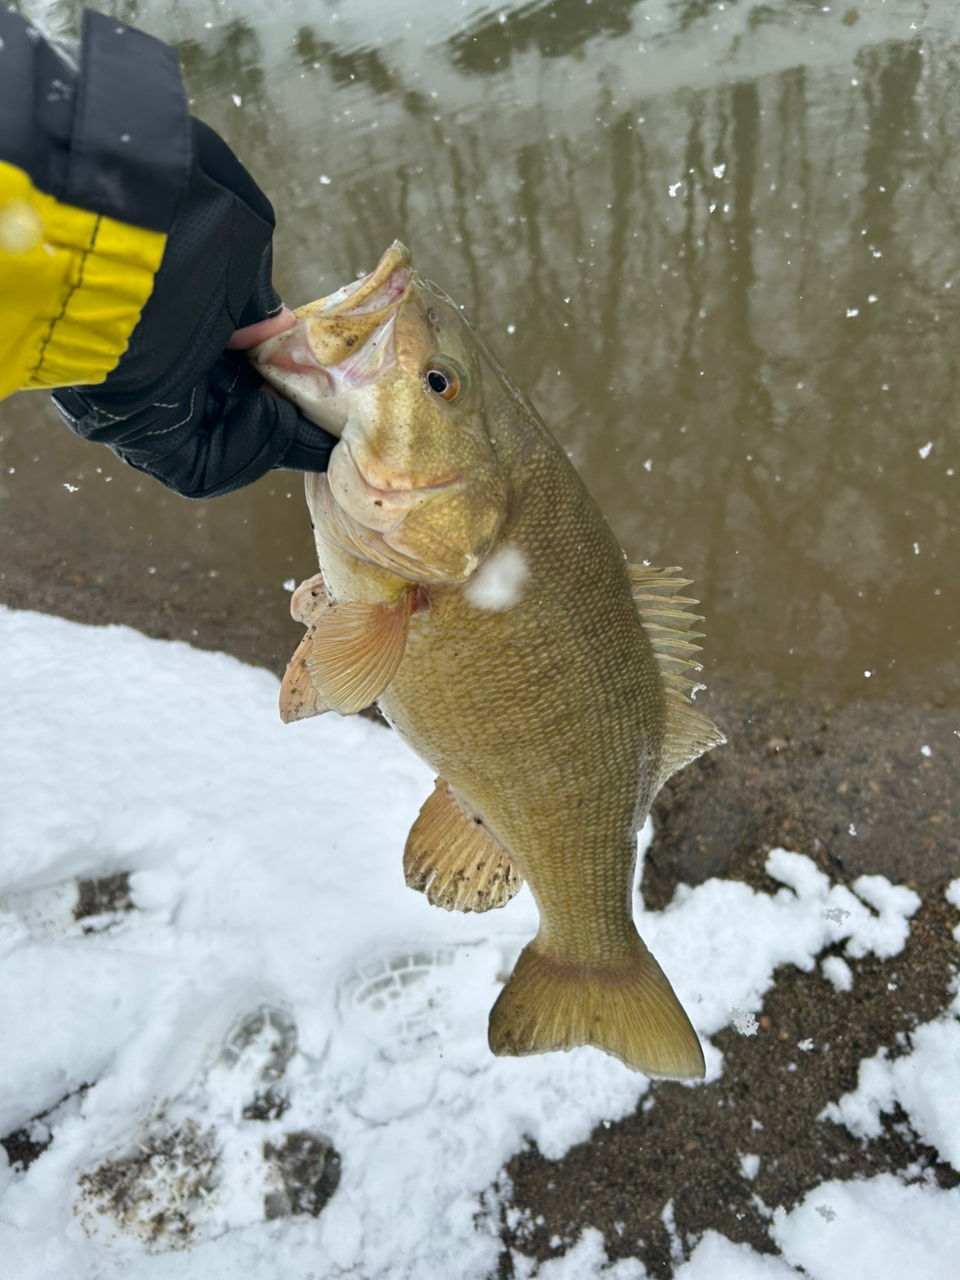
[
  {"x": 307, "y": 1169},
  {"x": 869, "y": 788},
  {"x": 29, "y": 1141},
  {"x": 153, "y": 1191},
  {"x": 106, "y": 895}
]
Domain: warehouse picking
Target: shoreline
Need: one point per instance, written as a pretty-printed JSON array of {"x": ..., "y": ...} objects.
[{"x": 805, "y": 777}]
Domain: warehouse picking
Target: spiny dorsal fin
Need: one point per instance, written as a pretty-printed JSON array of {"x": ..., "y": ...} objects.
[
  {"x": 688, "y": 733},
  {"x": 452, "y": 857}
]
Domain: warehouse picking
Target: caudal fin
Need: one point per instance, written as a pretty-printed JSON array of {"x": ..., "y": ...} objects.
[{"x": 628, "y": 1009}]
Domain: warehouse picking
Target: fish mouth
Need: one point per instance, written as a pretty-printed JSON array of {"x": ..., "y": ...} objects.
[
  {"x": 382, "y": 288},
  {"x": 340, "y": 343}
]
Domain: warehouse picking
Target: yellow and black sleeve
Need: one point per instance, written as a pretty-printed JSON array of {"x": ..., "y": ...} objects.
[
  {"x": 132, "y": 244},
  {"x": 92, "y": 170}
]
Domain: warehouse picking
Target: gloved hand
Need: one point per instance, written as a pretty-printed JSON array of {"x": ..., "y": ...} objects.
[{"x": 179, "y": 405}]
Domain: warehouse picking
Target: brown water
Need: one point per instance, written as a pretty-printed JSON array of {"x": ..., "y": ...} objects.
[{"x": 717, "y": 243}]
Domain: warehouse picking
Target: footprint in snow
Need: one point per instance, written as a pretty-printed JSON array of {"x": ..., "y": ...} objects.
[
  {"x": 89, "y": 904},
  {"x": 407, "y": 1015},
  {"x": 399, "y": 1000},
  {"x": 216, "y": 1157}
]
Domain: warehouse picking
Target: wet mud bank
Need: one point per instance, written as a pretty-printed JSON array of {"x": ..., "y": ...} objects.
[{"x": 866, "y": 788}]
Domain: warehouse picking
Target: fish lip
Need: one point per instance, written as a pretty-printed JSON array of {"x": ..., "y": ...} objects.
[
  {"x": 382, "y": 289},
  {"x": 399, "y": 490}
]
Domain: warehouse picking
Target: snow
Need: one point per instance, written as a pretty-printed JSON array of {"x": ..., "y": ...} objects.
[
  {"x": 274, "y": 959},
  {"x": 874, "y": 1228},
  {"x": 498, "y": 583},
  {"x": 587, "y": 1260},
  {"x": 716, "y": 1258},
  {"x": 926, "y": 1083},
  {"x": 836, "y": 970}
]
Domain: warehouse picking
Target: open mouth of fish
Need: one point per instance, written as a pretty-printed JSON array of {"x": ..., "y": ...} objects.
[{"x": 341, "y": 342}]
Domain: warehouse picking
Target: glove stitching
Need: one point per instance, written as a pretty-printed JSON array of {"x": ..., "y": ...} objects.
[
  {"x": 165, "y": 431},
  {"x": 65, "y": 414},
  {"x": 103, "y": 413}
]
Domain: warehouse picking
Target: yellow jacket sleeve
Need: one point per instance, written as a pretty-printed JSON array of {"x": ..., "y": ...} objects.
[
  {"x": 95, "y": 157},
  {"x": 72, "y": 286}
]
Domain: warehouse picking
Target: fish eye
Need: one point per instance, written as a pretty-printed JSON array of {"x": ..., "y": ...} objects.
[{"x": 444, "y": 379}]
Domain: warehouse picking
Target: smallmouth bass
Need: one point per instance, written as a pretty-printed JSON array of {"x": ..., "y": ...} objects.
[{"x": 470, "y": 586}]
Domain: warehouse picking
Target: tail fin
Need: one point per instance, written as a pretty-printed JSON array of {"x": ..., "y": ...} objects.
[{"x": 629, "y": 1010}]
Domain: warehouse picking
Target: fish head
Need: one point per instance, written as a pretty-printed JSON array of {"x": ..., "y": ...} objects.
[{"x": 389, "y": 366}]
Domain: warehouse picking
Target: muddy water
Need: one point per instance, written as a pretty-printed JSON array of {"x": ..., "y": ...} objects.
[{"x": 717, "y": 243}]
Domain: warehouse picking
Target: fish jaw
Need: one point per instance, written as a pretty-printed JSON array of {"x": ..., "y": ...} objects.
[
  {"x": 340, "y": 345},
  {"x": 381, "y": 507},
  {"x": 365, "y": 550},
  {"x": 372, "y": 292}
]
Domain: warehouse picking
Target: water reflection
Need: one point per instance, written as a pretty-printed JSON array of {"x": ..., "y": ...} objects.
[
  {"x": 553, "y": 28},
  {"x": 717, "y": 245}
]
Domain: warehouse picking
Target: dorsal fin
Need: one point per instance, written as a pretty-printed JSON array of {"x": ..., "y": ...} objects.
[{"x": 688, "y": 733}]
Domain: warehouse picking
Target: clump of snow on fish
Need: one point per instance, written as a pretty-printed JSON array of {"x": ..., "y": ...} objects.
[
  {"x": 260, "y": 1053},
  {"x": 498, "y": 583}
]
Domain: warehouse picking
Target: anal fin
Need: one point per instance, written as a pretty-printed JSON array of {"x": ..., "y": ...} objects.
[
  {"x": 452, "y": 857},
  {"x": 355, "y": 650}
]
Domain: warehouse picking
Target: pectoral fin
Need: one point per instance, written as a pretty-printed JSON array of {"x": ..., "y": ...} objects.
[
  {"x": 355, "y": 651},
  {"x": 452, "y": 857},
  {"x": 298, "y": 698}
]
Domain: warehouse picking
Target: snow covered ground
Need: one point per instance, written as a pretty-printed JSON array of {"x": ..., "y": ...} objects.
[{"x": 223, "y": 1002}]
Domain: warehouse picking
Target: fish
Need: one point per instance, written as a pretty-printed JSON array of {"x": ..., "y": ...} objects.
[{"x": 471, "y": 588}]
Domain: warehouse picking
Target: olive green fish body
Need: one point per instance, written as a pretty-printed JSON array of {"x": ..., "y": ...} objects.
[
  {"x": 471, "y": 586},
  {"x": 547, "y": 716}
]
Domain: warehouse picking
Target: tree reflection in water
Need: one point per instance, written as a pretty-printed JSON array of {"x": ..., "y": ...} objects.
[{"x": 716, "y": 247}]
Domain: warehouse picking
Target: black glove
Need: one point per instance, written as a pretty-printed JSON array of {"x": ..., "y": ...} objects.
[{"x": 178, "y": 406}]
